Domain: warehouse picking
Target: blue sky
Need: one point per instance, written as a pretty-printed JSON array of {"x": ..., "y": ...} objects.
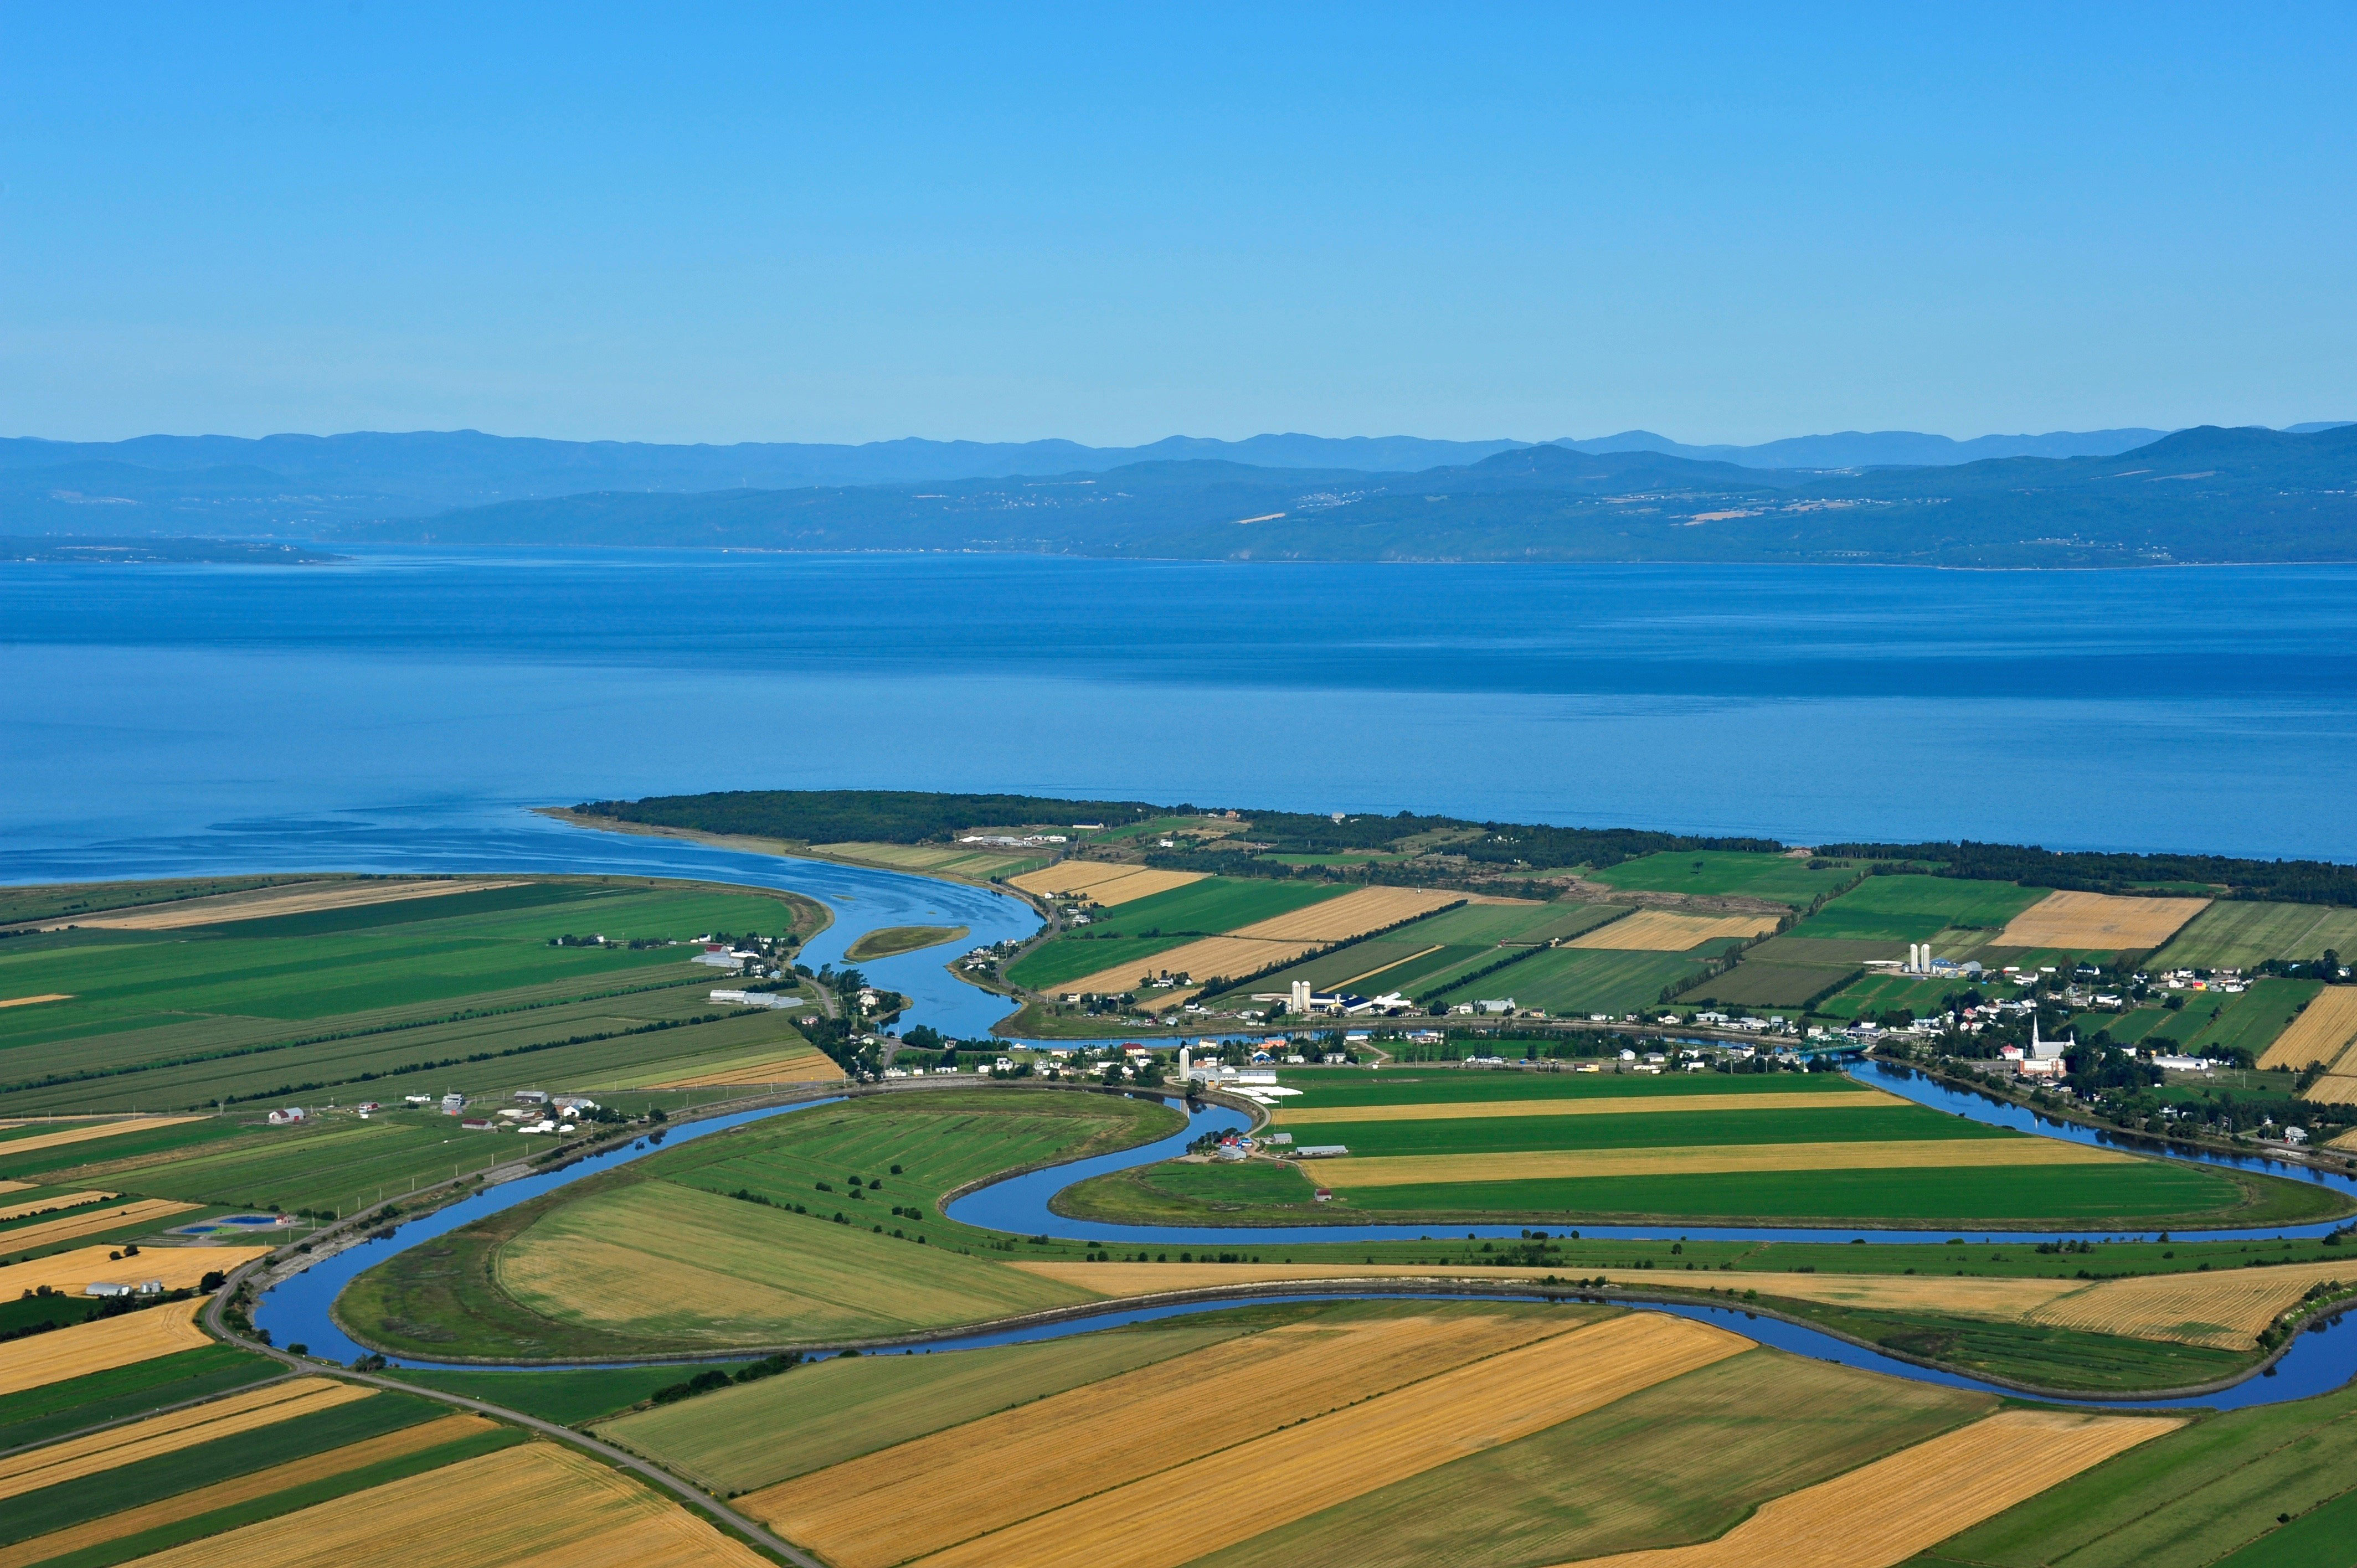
[{"x": 1114, "y": 223}]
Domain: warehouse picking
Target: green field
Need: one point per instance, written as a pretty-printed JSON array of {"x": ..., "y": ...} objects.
[
  {"x": 1578, "y": 980},
  {"x": 1784, "y": 878},
  {"x": 1684, "y": 1460},
  {"x": 2248, "y": 1022},
  {"x": 1878, "y": 1122},
  {"x": 305, "y": 1003},
  {"x": 661, "y": 1257},
  {"x": 2196, "y": 1498},
  {"x": 1486, "y": 925},
  {"x": 1911, "y": 908},
  {"x": 569, "y": 1398},
  {"x": 887, "y": 940},
  {"x": 2243, "y": 933},
  {"x": 1885, "y": 993},
  {"x": 1757, "y": 984}
]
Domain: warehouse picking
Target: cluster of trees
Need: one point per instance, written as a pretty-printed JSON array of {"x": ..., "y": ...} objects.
[{"x": 2086, "y": 871}]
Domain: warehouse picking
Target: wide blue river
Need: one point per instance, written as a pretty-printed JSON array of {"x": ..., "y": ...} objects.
[{"x": 2205, "y": 708}]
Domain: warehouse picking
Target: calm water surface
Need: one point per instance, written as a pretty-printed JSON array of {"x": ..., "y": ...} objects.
[{"x": 2200, "y": 708}]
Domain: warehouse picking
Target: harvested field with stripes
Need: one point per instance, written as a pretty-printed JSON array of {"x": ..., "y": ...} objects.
[
  {"x": 127, "y": 1444},
  {"x": 1661, "y": 931},
  {"x": 536, "y": 1503},
  {"x": 1293, "y": 1114},
  {"x": 1883, "y": 1513},
  {"x": 76, "y": 1226},
  {"x": 12, "y": 1147},
  {"x": 1102, "y": 883},
  {"x": 244, "y": 1489},
  {"x": 1160, "y": 1520},
  {"x": 812, "y": 1066},
  {"x": 2098, "y": 923},
  {"x": 1352, "y": 914},
  {"x": 1226, "y": 957},
  {"x": 52, "y": 1203},
  {"x": 1133, "y": 1425},
  {"x": 94, "y": 1346},
  {"x": 1418, "y": 1170},
  {"x": 2323, "y": 1031},
  {"x": 2225, "y": 1308},
  {"x": 298, "y": 900}
]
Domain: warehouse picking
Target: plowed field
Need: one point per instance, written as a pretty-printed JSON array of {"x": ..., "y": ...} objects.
[
  {"x": 534, "y": 1504},
  {"x": 1661, "y": 930},
  {"x": 1162, "y": 1520},
  {"x": 1885, "y": 1513},
  {"x": 2098, "y": 923},
  {"x": 1554, "y": 1165},
  {"x": 94, "y": 1346}
]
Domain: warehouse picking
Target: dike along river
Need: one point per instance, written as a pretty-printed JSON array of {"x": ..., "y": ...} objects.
[{"x": 297, "y": 1311}]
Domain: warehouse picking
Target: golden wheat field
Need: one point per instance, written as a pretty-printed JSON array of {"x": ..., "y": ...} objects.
[
  {"x": 298, "y": 900},
  {"x": 88, "y": 1129},
  {"x": 94, "y": 1346},
  {"x": 243, "y": 1488},
  {"x": 1554, "y": 1165},
  {"x": 1352, "y": 914},
  {"x": 536, "y": 1503},
  {"x": 2334, "y": 1088},
  {"x": 2225, "y": 1307},
  {"x": 52, "y": 1204},
  {"x": 2322, "y": 1032},
  {"x": 176, "y": 1268},
  {"x": 134, "y": 1441},
  {"x": 16, "y": 1185},
  {"x": 1225, "y": 956},
  {"x": 1663, "y": 931},
  {"x": 1162, "y": 1520},
  {"x": 1104, "y": 883},
  {"x": 1128, "y": 1426},
  {"x": 35, "y": 1001},
  {"x": 1292, "y": 1115},
  {"x": 2093, "y": 922},
  {"x": 801, "y": 1066},
  {"x": 76, "y": 1226},
  {"x": 1884, "y": 1513}
]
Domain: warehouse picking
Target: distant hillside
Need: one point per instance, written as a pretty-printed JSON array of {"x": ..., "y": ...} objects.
[
  {"x": 2199, "y": 494},
  {"x": 289, "y": 483}
]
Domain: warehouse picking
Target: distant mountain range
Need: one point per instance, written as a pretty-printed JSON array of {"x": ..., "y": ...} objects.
[{"x": 2096, "y": 498}]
